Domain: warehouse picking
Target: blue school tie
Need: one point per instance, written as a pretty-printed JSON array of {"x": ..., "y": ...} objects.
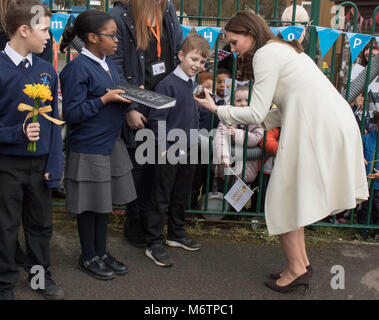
[
  {"x": 220, "y": 102},
  {"x": 24, "y": 63},
  {"x": 190, "y": 82}
]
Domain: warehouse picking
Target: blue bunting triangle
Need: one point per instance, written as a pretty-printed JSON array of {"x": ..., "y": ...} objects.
[
  {"x": 327, "y": 37},
  {"x": 186, "y": 30},
  {"x": 209, "y": 33},
  {"x": 292, "y": 32},
  {"x": 74, "y": 15},
  {"x": 276, "y": 30},
  {"x": 357, "y": 43},
  {"x": 58, "y": 24}
]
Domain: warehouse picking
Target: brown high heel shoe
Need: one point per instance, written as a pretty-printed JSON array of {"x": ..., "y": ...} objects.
[
  {"x": 276, "y": 275},
  {"x": 303, "y": 280}
]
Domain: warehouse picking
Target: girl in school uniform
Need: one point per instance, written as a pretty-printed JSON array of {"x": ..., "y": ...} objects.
[{"x": 99, "y": 167}]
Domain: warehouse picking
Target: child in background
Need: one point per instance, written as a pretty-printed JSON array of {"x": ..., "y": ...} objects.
[
  {"x": 220, "y": 98},
  {"x": 26, "y": 177},
  {"x": 99, "y": 168},
  {"x": 369, "y": 146},
  {"x": 271, "y": 147},
  {"x": 172, "y": 182},
  {"x": 227, "y": 136},
  {"x": 206, "y": 80},
  {"x": 205, "y": 115}
]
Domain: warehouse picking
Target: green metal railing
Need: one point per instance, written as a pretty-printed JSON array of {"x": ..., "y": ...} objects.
[{"x": 218, "y": 20}]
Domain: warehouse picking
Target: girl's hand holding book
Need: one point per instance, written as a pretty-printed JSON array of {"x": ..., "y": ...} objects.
[
  {"x": 114, "y": 96},
  {"x": 32, "y": 131}
]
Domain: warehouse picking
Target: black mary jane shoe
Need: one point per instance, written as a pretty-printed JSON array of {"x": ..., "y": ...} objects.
[
  {"x": 118, "y": 267},
  {"x": 96, "y": 268}
]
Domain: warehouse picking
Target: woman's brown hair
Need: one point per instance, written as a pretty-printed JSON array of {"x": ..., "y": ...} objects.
[
  {"x": 142, "y": 10},
  {"x": 248, "y": 23}
]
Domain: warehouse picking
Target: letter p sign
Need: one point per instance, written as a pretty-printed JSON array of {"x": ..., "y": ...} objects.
[{"x": 357, "y": 42}]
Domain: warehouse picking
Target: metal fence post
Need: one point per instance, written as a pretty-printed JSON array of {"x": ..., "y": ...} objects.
[{"x": 315, "y": 18}]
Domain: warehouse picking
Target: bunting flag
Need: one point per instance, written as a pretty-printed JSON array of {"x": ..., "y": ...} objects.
[
  {"x": 357, "y": 43},
  {"x": 209, "y": 33},
  {"x": 276, "y": 30},
  {"x": 74, "y": 15},
  {"x": 58, "y": 23},
  {"x": 292, "y": 32},
  {"x": 222, "y": 54},
  {"x": 186, "y": 30},
  {"x": 327, "y": 37}
]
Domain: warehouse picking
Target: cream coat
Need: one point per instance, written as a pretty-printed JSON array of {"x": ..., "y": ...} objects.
[{"x": 319, "y": 168}]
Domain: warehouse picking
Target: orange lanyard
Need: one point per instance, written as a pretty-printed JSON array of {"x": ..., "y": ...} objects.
[{"x": 156, "y": 34}]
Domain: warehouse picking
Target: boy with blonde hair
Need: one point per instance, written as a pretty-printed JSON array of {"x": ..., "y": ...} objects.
[{"x": 172, "y": 182}]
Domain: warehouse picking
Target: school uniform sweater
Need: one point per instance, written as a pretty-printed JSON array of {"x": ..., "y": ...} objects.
[
  {"x": 13, "y": 141},
  {"x": 94, "y": 126},
  {"x": 184, "y": 115}
]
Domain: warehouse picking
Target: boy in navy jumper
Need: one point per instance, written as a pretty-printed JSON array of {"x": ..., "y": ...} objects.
[
  {"x": 26, "y": 177},
  {"x": 172, "y": 182}
]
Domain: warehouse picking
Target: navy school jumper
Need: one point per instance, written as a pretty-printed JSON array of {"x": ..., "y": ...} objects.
[
  {"x": 13, "y": 141},
  {"x": 94, "y": 126}
]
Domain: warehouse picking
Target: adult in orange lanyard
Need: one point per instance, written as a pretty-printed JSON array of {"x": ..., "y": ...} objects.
[{"x": 149, "y": 37}]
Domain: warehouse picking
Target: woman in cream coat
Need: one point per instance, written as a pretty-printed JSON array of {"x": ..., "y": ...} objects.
[{"x": 319, "y": 168}]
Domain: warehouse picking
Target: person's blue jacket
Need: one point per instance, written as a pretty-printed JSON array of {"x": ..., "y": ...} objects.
[{"x": 369, "y": 145}]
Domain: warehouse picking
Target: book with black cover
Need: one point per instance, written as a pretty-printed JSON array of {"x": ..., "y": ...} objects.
[{"x": 145, "y": 97}]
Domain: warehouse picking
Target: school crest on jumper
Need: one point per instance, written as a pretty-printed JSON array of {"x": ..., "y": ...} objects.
[{"x": 46, "y": 79}]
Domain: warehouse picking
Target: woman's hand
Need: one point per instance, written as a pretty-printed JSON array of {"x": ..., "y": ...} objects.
[
  {"x": 231, "y": 130},
  {"x": 225, "y": 162},
  {"x": 135, "y": 119},
  {"x": 207, "y": 102},
  {"x": 114, "y": 96},
  {"x": 374, "y": 176}
]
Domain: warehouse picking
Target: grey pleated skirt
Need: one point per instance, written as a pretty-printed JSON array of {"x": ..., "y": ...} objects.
[{"x": 95, "y": 182}]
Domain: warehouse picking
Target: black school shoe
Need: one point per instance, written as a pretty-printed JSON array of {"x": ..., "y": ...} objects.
[
  {"x": 52, "y": 291},
  {"x": 96, "y": 268},
  {"x": 118, "y": 267},
  {"x": 185, "y": 243}
]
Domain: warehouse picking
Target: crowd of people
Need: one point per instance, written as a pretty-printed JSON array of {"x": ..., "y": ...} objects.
[{"x": 140, "y": 42}]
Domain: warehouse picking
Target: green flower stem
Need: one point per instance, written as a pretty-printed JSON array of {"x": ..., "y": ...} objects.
[{"x": 32, "y": 145}]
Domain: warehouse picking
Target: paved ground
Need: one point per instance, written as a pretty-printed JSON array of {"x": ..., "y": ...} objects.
[{"x": 220, "y": 270}]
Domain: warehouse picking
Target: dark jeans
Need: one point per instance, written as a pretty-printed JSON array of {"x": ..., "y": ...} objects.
[
  {"x": 172, "y": 187},
  {"x": 23, "y": 195},
  {"x": 142, "y": 175},
  {"x": 362, "y": 215}
]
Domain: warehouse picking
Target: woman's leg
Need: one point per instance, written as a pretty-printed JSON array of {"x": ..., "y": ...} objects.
[
  {"x": 293, "y": 250},
  {"x": 304, "y": 256}
]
